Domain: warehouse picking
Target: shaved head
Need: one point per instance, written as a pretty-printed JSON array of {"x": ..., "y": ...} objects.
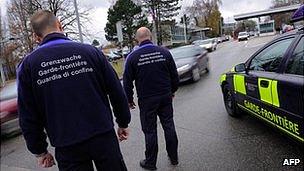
[
  {"x": 44, "y": 22},
  {"x": 142, "y": 34}
]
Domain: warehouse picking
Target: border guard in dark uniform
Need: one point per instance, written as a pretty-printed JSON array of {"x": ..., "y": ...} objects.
[
  {"x": 156, "y": 79},
  {"x": 65, "y": 88}
]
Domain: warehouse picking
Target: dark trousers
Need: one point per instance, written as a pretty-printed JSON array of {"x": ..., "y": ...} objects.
[
  {"x": 150, "y": 108},
  {"x": 103, "y": 149}
]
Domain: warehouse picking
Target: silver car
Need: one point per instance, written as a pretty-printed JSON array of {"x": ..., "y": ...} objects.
[{"x": 208, "y": 44}]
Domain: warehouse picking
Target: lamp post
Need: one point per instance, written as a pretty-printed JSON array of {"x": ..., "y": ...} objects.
[{"x": 78, "y": 21}]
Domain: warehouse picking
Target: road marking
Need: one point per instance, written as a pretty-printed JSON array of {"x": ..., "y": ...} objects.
[{"x": 246, "y": 43}]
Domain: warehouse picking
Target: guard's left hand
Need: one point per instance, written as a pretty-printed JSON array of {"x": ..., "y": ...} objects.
[{"x": 123, "y": 134}]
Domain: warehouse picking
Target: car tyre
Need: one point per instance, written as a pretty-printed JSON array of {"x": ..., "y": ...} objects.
[
  {"x": 196, "y": 74},
  {"x": 230, "y": 103}
]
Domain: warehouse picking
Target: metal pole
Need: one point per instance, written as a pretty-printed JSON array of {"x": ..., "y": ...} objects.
[
  {"x": 78, "y": 21},
  {"x": 185, "y": 29},
  {"x": 154, "y": 33}
]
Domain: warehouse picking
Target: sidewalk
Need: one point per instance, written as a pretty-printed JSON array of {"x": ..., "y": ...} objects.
[{"x": 10, "y": 168}]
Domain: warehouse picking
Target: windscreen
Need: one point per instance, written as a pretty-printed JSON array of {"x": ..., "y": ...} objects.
[{"x": 185, "y": 52}]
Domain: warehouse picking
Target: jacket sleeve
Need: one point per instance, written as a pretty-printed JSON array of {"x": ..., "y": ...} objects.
[
  {"x": 30, "y": 119},
  {"x": 115, "y": 92},
  {"x": 173, "y": 73},
  {"x": 128, "y": 78}
]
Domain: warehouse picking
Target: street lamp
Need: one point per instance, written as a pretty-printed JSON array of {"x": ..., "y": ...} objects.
[{"x": 78, "y": 21}]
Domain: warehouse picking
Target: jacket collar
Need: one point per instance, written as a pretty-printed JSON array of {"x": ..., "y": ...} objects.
[
  {"x": 145, "y": 42},
  {"x": 53, "y": 36}
]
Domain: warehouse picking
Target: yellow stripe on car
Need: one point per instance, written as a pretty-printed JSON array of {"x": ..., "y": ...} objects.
[
  {"x": 278, "y": 126},
  {"x": 239, "y": 84},
  {"x": 269, "y": 94},
  {"x": 274, "y": 92},
  {"x": 223, "y": 78},
  {"x": 265, "y": 92}
]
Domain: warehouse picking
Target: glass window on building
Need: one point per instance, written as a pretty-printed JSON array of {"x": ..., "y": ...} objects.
[{"x": 266, "y": 27}]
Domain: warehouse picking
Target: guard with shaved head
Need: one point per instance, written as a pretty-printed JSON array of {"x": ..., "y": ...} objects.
[
  {"x": 156, "y": 80},
  {"x": 65, "y": 88}
]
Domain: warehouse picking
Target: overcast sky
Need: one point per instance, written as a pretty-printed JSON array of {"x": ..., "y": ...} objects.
[{"x": 98, "y": 15}]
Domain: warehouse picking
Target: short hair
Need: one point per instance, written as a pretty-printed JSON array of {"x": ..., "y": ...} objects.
[
  {"x": 143, "y": 32},
  {"x": 43, "y": 20}
]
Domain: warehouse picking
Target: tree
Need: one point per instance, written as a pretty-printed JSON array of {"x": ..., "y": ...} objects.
[
  {"x": 10, "y": 59},
  {"x": 206, "y": 14},
  {"x": 19, "y": 13},
  {"x": 161, "y": 11},
  {"x": 246, "y": 25},
  {"x": 131, "y": 16}
]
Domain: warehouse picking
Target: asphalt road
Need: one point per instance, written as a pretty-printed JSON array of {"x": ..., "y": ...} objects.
[{"x": 208, "y": 138}]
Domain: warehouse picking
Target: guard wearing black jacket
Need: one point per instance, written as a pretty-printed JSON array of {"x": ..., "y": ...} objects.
[
  {"x": 156, "y": 80},
  {"x": 63, "y": 87}
]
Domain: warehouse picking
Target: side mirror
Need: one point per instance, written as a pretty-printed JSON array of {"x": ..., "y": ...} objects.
[{"x": 240, "y": 67}]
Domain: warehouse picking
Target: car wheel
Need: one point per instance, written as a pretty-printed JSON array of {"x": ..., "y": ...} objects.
[
  {"x": 230, "y": 103},
  {"x": 196, "y": 74}
]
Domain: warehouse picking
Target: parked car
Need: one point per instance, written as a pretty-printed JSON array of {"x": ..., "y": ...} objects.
[
  {"x": 191, "y": 62},
  {"x": 208, "y": 44},
  {"x": 243, "y": 36},
  {"x": 270, "y": 85},
  {"x": 225, "y": 38},
  {"x": 8, "y": 109},
  {"x": 219, "y": 40},
  {"x": 124, "y": 52},
  {"x": 113, "y": 55},
  {"x": 251, "y": 33}
]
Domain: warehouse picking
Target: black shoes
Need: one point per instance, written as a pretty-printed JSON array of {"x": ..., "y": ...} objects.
[
  {"x": 174, "y": 162},
  {"x": 144, "y": 165}
]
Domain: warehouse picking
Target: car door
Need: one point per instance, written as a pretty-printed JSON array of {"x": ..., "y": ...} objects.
[
  {"x": 259, "y": 88},
  {"x": 198, "y": 54},
  {"x": 256, "y": 83},
  {"x": 291, "y": 90},
  {"x": 262, "y": 71}
]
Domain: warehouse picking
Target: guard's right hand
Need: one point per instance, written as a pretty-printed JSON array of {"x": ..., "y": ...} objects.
[
  {"x": 123, "y": 134},
  {"x": 132, "y": 105},
  {"x": 46, "y": 160}
]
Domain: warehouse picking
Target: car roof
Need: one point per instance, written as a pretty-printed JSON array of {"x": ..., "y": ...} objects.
[{"x": 186, "y": 46}]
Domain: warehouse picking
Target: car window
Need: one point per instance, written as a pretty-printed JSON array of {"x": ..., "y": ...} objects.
[
  {"x": 242, "y": 34},
  {"x": 184, "y": 52},
  {"x": 270, "y": 58},
  {"x": 296, "y": 63},
  {"x": 9, "y": 91}
]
